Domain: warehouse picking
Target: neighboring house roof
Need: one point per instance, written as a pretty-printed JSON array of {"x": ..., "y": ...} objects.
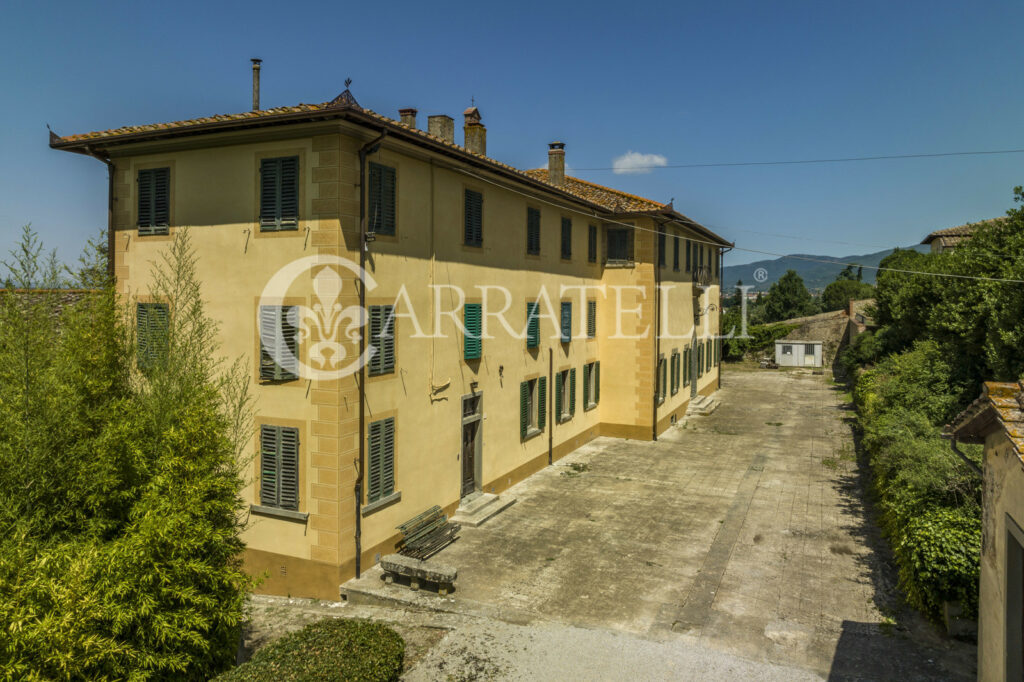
[
  {"x": 1001, "y": 405},
  {"x": 344, "y": 106},
  {"x": 951, "y": 236}
]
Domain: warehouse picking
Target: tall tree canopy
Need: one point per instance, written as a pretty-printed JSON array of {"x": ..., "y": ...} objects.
[{"x": 788, "y": 298}]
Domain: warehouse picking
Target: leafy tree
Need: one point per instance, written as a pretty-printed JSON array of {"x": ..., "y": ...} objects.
[
  {"x": 119, "y": 492},
  {"x": 788, "y": 298},
  {"x": 840, "y": 292}
]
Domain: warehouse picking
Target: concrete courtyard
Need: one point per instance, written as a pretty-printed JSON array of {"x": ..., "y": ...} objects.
[{"x": 744, "y": 532}]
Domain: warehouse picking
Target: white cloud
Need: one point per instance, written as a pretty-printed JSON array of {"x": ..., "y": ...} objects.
[{"x": 635, "y": 162}]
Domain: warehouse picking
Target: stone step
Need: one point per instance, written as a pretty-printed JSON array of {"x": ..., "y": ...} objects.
[
  {"x": 481, "y": 507},
  {"x": 702, "y": 406}
]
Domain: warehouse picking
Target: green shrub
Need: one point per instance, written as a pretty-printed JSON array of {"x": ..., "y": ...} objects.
[
  {"x": 335, "y": 649},
  {"x": 938, "y": 560}
]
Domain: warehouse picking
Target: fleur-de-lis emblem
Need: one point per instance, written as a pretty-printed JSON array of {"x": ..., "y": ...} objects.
[{"x": 321, "y": 325}]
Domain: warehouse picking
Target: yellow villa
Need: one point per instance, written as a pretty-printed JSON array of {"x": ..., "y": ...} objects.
[{"x": 505, "y": 317}]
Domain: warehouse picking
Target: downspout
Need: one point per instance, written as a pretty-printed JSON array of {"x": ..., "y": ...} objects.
[
  {"x": 110, "y": 207},
  {"x": 962, "y": 455},
  {"x": 364, "y": 151},
  {"x": 657, "y": 330},
  {"x": 550, "y": 406}
]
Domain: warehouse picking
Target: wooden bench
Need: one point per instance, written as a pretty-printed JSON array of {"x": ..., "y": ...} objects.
[
  {"x": 426, "y": 534},
  {"x": 418, "y": 571}
]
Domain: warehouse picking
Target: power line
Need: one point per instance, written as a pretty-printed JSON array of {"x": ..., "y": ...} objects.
[
  {"x": 877, "y": 268},
  {"x": 795, "y": 162}
]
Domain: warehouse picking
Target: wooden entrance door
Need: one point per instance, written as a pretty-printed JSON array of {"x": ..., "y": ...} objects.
[{"x": 469, "y": 457}]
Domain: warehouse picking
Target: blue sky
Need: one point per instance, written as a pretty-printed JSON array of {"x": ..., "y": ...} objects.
[{"x": 691, "y": 82}]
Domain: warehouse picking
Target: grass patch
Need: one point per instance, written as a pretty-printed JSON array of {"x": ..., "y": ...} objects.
[
  {"x": 773, "y": 423},
  {"x": 830, "y": 463},
  {"x": 575, "y": 469},
  {"x": 333, "y": 649}
]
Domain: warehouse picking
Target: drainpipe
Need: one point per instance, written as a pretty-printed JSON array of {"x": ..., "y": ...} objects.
[
  {"x": 657, "y": 330},
  {"x": 962, "y": 455},
  {"x": 364, "y": 151},
  {"x": 105, "y": 158},
  {"x": 550, "y": 406}
]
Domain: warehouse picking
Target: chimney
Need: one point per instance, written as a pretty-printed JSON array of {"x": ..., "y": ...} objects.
[
  {"x": 408, "y": 117},
  {"x": 556, "y": 163},
  {"x": 475, "y": 132},
  {"x": 442, "y": 126},
  {"x": 256, "y": 83}
]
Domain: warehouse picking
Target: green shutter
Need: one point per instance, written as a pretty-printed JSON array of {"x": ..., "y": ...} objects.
[
  {"x": 597, "y": 382},
  {"x": 289, "y": 474},
  {"x": 154, "y": 185},
  {"x": 567, "y": 238},
  {"x": 387, "y": 472},
  {"x": 542, "y": 402},
  {"x": 375, "y": 450},
  {"x": 382, "y": 339},
  {"x": 586, "y": 386},
  {"x": 572, "y": 391},
  {"x": 524, "y": 408},
  {"x": 279, "y": 193},
  {"x": 592, "y": 243},
  {"x": 382, "y": 199},
  {"x": 151, "y": 331},
  {"x": 270, "y": 466},
  {"x": 661, "y": 249},
  {"x": 279, "y": 349},
  {"x": 474, "y": 218},
  {"x": 689, "y": 249},
  {"x": 558, "y": 397},
  {"x": 566, "y": 321},
  {"x": 473, "y": 343},
  {"x": 533, "y": 231},
  {"x": 591, "y": 319},
  {"x": 532, "y": 325}
]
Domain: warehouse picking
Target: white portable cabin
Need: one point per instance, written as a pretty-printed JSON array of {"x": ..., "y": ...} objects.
[{"x": 798, "y": 353}]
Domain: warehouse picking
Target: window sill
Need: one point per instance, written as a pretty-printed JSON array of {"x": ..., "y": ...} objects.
[
  {"x": 590, "y": 406},
  {"x": 620, "y": 264},
  {"x": 278, "y": 513},
  {"x": 564, "y": 418},
  {"x": 381, "y": 503},
  {"x": 532, "y": 433},
  {"x": 282, "y": 228}
]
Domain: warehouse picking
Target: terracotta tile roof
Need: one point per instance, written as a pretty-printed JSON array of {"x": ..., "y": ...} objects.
[
  {"x": 951, "y": 236},
  {"x": 611, "y": 199},
  {"x": 344, "y": 105},
  {"x": 1001, "y": 404}
]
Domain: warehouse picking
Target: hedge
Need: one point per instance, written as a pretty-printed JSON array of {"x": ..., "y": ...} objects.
[{"x": 334, "y": 649}]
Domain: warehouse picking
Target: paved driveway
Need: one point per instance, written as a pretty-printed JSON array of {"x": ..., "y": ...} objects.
[{"x": 744, "y": 532}]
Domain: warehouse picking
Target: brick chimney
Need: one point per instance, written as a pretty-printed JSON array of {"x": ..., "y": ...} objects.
[
  {"x": 556, "y": 163},
  {"x": 442, "y": 126},
  {"x": 475, "y": 132},
  {"x": 408, "y": 117}
]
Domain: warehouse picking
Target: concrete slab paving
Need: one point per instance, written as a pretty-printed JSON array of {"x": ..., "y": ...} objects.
[{"x": 744, "y": 532}]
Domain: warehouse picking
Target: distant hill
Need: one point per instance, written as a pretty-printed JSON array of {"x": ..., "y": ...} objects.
[{"x": 815, "y": 275}]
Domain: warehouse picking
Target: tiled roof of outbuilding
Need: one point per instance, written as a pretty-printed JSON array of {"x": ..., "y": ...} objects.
[
  {"x": 1000, "y": 404},
  {"x": 951, "y": 236}
]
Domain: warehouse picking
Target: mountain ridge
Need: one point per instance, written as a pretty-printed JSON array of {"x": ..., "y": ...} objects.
[{"x": 816, "y": 275}]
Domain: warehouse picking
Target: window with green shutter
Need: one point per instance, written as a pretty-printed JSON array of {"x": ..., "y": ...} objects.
[
  {"x": 566, "y": 331},
  {"x": 689, "y": 249},
  {"x": 572, "y": 391},
  {"x": 279, "y": 193},
  {"x": 662, "y": 379},
  {"x": 533, "y": 324},
  {"x": 675, "y": 372},
  {"x": 279, "y": 467},
  {"x": 473, "y": 321},
  {"x": 591, "y": 385},
  {"x": 381, "y": 460},
  {"x": 279, "y": 343},
  {"x": 675, "y": 252},
  {"x": 566, "y": 238},
  {"x": 591, "y": 319},
  {"x": 661, "y": 249},
  {"x": 686, "y": 367},
  {"x": 154, "y": 186},
  {"x": 382, "y": 199},
  {"x": 474, "y": 218},
  {"x": 532, "y": 406},
  {"x": 533, "y": 231},
  {"x": 592, "y": 243},
  {"x": 382, "y": 339},
  {"x": 151, "y": 330}
]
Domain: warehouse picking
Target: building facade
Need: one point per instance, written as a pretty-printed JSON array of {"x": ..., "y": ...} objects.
[
  {"x": 604, "y": 331},
  {"x": 996, "y": 420}
]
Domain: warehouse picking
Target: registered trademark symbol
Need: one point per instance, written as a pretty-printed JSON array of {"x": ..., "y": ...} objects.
[{"x": 761, "y": 275}]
